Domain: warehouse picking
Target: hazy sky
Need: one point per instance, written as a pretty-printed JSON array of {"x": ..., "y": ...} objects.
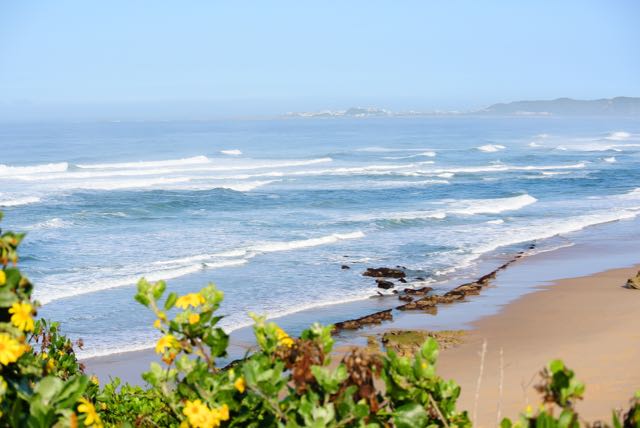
[{"x": 184, "y": 58}]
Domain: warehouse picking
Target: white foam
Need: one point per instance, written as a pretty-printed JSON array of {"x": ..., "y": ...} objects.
[
  {"x": 463, "y": 207},
  {"x": 498, "y": 221},
  {"x": 6, "y": 170},
  {"x": 174, "y": 268},
  {"x": 423, "y": 154},
  {"x": 611, "y": 159},
  {"x": 546, "y": 229},
  {"x": 270, "y": 247},
  {"x": 490, "y": 148},
  {"x": 54, "y": 223},
  {"x": 19, "y": 201},
  {"x": 503, "y": 168},
  {"x": 233, "y": 152},
  {"x": 67, "y": 289},
  {"x": 618, "y": 136},
  {"x": 195, "y": 160}
]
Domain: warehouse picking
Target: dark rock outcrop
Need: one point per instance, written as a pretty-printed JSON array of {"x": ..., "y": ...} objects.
[
  {"x": 384, "y": 272},
  {"x": 384, "y": 284},
  {"x": 417, "y": 291},
  {"x": 344, "y": 267},
  {"x": 357, "y": 323}
]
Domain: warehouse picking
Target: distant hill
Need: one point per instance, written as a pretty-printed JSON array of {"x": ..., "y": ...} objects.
[{"x": 619, "y": 106}]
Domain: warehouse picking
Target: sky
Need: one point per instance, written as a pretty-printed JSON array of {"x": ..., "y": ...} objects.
[{"x": 121, "y": 59}]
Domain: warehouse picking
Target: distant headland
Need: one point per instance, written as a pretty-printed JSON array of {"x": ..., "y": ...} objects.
[{"x": 618, "y": 106}]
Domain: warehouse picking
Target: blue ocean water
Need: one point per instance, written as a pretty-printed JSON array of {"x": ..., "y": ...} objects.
[{"x": 269, "y": 210}]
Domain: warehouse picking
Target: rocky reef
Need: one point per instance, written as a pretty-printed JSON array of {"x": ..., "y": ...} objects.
[{"x": 357, "y": 323}]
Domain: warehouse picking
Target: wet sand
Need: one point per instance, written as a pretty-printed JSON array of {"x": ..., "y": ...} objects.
[{"x": 589, "y": 322}]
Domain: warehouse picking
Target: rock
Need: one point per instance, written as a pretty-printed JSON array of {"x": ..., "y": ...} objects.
[
  {"x": 405, "y": 298},
  {"x": 419, "y": 278},
  {"x": 402, "y": 280},
  {"x": 472, "y": 288},
  {"x": 484, "y": 280},
  {"x": 384, "y": 272},
  {"x": 634, "y": 282},
  {"x": 343, "y": 267},
  {"x": 384, "y": 284},
  {"x": 417, "y": 291},
  {"x": 355, "y": 324},
  {"x": 407, "y": 307}
]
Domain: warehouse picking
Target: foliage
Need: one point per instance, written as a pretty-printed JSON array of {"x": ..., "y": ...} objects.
[{"x": 287, "y": 382}]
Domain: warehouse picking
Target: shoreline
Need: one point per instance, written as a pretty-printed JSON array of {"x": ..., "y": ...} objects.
[
  {"x": 589, "y": 322},
  {"x": 530, "y": 274}
]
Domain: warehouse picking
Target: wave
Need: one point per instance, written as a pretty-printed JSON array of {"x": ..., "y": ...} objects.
[
  {"x": 490, "y": 148},
  {"x": 19, "y": 201},
  {"x": 52, "y": 292},
  {"x": 611, "y": 159},
  {"x": 101, "y": 350},
  {"x": 464, "y": 207},
  {"x": 503, "y": 168},
  {"x": 195, "y": 160},
  {"x": 377, "y": 149},
  {"x": 174, "y": 268},
  {"x": 6, "y": 170},
  {"x": 618, "y": 136},
  {"x": 546, "y": 229},
  {"x": 234, "y": 152},
  {"x": 423, "y": 154},
  {"x": 54, "y": 223}
]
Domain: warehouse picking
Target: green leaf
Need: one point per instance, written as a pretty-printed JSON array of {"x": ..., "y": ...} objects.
[
  {"x": 171, "y": 301},
  {"x": 556, "y": 366},
  {"x": 410, "y": 415},
  {"x": 48, "y": 387}
]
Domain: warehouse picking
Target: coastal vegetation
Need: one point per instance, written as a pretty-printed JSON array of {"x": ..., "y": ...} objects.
[{"x": 287, "y": 382}]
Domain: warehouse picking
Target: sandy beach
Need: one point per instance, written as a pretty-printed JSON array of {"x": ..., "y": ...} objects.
[
  {"x": 566, "y": 304},
  {"x": 589, "y": 322}
]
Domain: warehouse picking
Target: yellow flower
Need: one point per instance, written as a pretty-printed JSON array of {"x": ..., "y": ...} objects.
[
  {"x": 94, "y": 379},
  {"x": 200, "y": 416},
  {"x": 21, "y": 317},
  {"x": 10, "y": 349},
  {"x": 167, "y": 341},
  {"x": 157, "y": 324},
  {"x": 222, "y": 413},
  {"x": 3, "y": 277},
  {"x": 92, "y": 417},
  {"x": 239, "y": 384},
  {"x": 191, "y": 299},
  {"x": 283, "y": 338},
  {"x": 194, "y": 318},
  {"x": 162, "y": 316},
  {"x": 51, "y": 364}
]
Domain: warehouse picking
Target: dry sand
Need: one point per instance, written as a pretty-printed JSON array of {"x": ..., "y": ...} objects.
[{"x": 589, "y": 322}]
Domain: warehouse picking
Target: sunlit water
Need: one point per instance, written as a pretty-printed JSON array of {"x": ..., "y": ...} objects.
[{"x": 270, "y": 210}]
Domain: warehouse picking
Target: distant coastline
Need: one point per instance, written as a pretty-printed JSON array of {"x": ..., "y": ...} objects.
[{"x": 618, "y": 106}]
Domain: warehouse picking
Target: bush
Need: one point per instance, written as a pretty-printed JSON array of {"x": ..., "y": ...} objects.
[{"x": 288, "y": 382}]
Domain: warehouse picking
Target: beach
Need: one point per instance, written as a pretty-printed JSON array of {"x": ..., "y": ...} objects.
[
  {"x": 588, "y": 322},
  {"x": 567, "y": 304}
]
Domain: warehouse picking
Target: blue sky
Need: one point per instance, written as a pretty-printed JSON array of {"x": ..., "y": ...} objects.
[{"x": 255, "y": 57}]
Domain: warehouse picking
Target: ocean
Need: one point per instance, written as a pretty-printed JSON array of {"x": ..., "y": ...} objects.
[{"x": 270, "y": 210}]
